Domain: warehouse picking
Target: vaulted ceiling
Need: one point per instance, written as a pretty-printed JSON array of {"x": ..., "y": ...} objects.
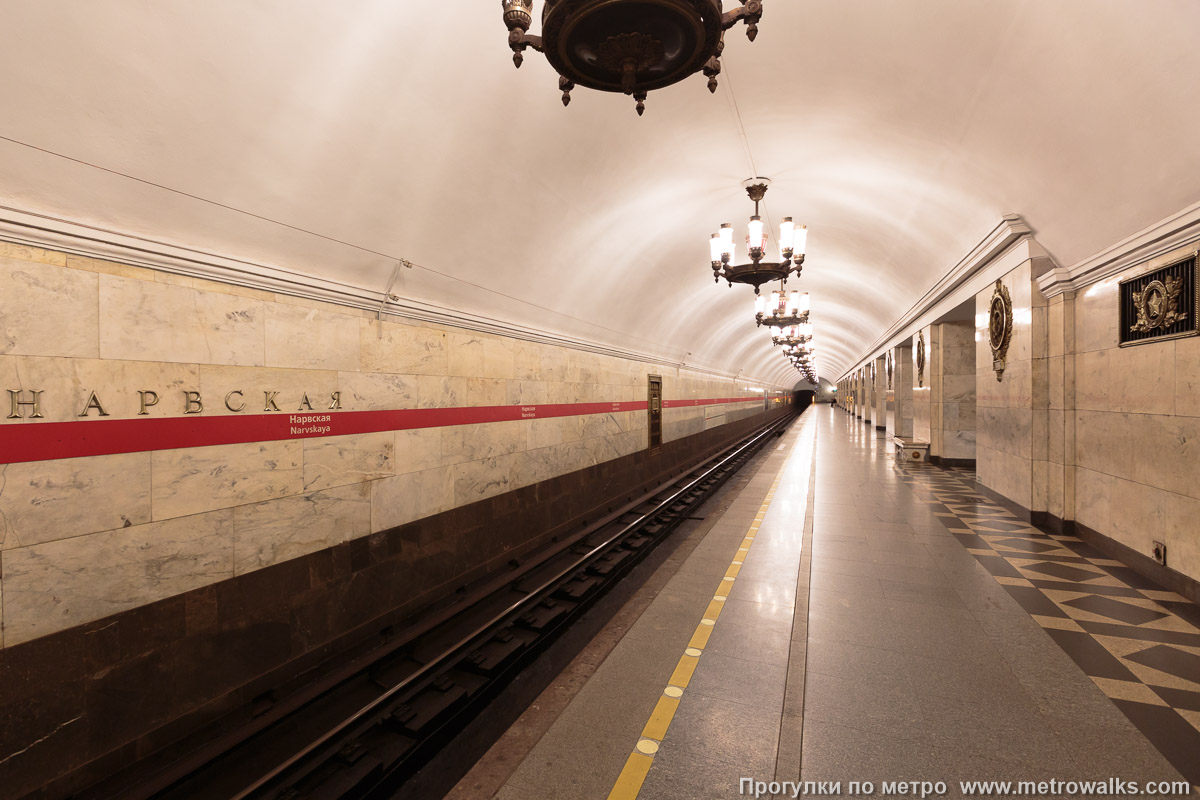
[{"x": 899, "y": 131}]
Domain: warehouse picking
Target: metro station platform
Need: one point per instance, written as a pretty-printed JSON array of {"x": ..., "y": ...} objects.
[{"x": 848, "y": 618}]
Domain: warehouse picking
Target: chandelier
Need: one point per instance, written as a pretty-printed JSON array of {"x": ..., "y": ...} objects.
[
  {"x": 793, "y": 335},
  {"x": 782, "y": 310},
  {"x": 792, "y": 241},
  {"x": 799, "y": 349},
  {"x": 630, "y": 46},
  {"x": 806, "y": 365}
]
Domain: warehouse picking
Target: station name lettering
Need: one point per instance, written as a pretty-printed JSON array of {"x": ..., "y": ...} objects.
[{"x": 27, "y": 404}]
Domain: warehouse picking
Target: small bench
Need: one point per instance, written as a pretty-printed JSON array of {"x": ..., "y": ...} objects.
[{"x": 910, "y": 449}]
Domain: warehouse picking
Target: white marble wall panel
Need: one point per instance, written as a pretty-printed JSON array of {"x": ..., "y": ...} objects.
[
  {"x": 47, "y": 311},
  {"x": 466, "y": 354},
  {"x": 1010, "y": 475},
  {"x": 479, "y": 480},
  {"x": 39, "y": 500},
  {"x": 558, "y": 367},
  {"x": 487, "y": 440},
  {"x": 1180, "y": 514},
  {"x": 56, "y": 585},
  {"x": 145, "y": 321},
  {"x": 418, "y": 449},
  {"x": 312, "y": 338},
  {"x": 1096, "y": 316},
  {"x": 1187, "y": 377},
  {"x": 1093, "y": 493},
  {"x": 406, "y": 349},
  {"x": 207, "y": 478},
  {"x": 606, "y": 448},
  {"x": 499, "y": 359},
  {"x": 598, "y": 425},
  {"x": 553, "y": 431},
  {"x": 957, "y": 390},
  {"x": 339, "y": 460},
  {"x": 527, "y": 361},
  {"x": 527, "y": 393},
  {"x": 380, "y": 391},
  {"x": 534, "y": 466},
  {"x": 1142, "y": 379},
  {"x": 279, "y": 530},
  {"x": 409, "y": 497},
  {"x": 484, "y": 391}
]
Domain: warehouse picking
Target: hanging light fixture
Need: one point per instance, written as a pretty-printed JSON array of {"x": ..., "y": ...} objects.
[
  {"x": 793, "y": 335},
  {"x": 630, "y": 46},
  {"x": 792, "y": 244},
  {"x": 781, "y": 309}
]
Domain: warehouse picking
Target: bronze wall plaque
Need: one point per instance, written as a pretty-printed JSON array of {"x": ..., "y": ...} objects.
[
  {"x": 1000, "y": 327},
  {"x": 921, "y": 358},
  {"x": 1162, "y": 304}
]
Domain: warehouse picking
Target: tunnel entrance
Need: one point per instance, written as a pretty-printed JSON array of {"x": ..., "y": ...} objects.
[{"x": 803, "y": 398}]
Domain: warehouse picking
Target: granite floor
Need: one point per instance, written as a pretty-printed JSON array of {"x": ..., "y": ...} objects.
[{"x": 851, "y": 618}]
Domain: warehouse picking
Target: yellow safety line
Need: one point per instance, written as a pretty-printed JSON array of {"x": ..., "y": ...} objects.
[{"x": 637, "y": 766}]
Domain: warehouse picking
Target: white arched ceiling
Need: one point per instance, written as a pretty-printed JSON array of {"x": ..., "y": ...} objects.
[{"x": 898, "y": 131}]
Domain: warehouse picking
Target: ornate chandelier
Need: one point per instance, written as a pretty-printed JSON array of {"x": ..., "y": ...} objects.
[
  {"x": 806, "y": 365},
  {"x": 793, "y": 335},
  {"x": 792, "y": 242},
  {"x": 782, "y": 310},
  {"x": 630, "y": 46},
  {"x": 799, "y": 350}
]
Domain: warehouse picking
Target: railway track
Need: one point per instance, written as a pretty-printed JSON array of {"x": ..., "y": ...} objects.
[{"x": 361, "y": 732}]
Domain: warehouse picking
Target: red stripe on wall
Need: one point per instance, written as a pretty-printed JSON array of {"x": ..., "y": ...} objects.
[{"x": 44, "y": 441}]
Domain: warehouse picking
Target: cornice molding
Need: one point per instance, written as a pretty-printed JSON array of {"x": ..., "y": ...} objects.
[
  {"x": 1178, "y": 230},
  {"x": 53, "y": 233},
  {"x": 1010, "y": 230}
]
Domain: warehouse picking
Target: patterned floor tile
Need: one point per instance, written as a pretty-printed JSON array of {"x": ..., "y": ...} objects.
[
  {"x": 1129, "y": 690},
  {"x": 1137, "y": 641},
  {"x": 1191, "y": 716},
  {"x": 1117, "y": 610}
]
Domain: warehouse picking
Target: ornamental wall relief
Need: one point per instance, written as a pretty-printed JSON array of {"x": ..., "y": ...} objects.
[
  {"x": 1162, "y": 304},
  {"x": 921, "y": 359},
  {"x": 1000, "y": 327}
]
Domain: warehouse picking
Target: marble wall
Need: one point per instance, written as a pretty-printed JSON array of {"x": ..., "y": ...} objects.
[
  {"x": 82, "y": 538},
  {"x": 1132, "y": 429},
  {"x": 956, "y": 390},
  {"x": 903, "y": 381},
  {"x": 879, "y": 394},
  {"x": 1012, "y": 411},
  {"x": 926, "y": 418}
]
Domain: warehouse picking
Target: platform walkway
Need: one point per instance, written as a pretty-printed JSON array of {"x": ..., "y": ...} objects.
[{"x": 849, "y": 618}]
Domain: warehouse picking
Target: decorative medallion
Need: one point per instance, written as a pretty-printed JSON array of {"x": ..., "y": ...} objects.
[
  {"x": 1161, "y": 304},
  {"x": 1000, "y": 327},
  {"x": 921, "y": 359},
  {"x": 889, "y": 369}
]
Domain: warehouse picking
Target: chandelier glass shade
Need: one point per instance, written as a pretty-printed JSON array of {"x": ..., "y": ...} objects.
[
  {"x": 629, "y": 46},
  {"x": 792, "y": 244}
]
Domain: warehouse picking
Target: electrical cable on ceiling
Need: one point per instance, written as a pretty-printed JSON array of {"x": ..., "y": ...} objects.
[{"x": 335, "y": 240}]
